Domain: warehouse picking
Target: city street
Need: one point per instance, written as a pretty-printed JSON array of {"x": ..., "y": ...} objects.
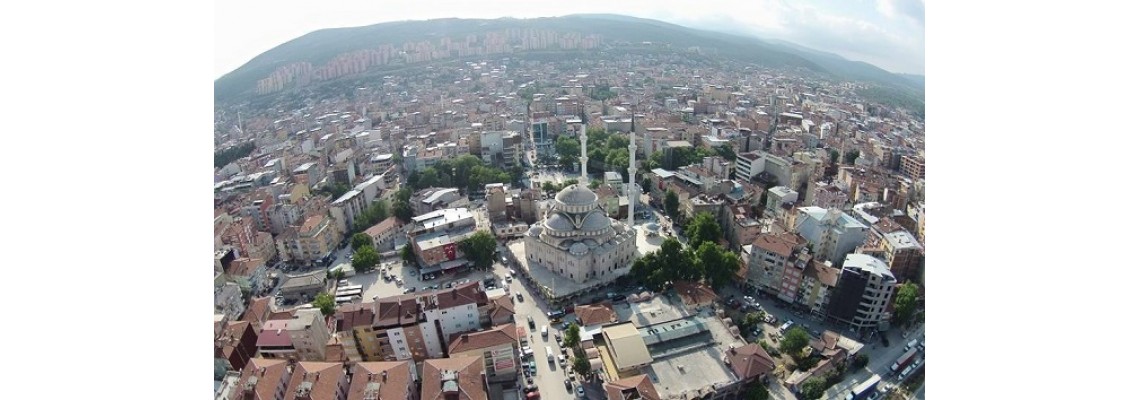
[{"x": 880, "y": 358}]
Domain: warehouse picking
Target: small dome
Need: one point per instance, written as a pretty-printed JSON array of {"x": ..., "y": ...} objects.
[
  {"x": 576, "y": 195},
  {"x": 595, "y": 221},
  {"x": 578, "y": 249},
  {"x": 558, "y": 222}
]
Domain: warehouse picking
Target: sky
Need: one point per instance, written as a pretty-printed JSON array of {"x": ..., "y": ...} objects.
[{"x": 890, "y": 34}]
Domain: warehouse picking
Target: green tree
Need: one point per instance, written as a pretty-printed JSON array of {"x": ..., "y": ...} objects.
[
  {"x": 671, "y": 203},
  {"x": 365, "y": 259},
  {"x": 224, "y": 157},
  {"x": 752, "y": 319},
  {"x": 404, "y": 195},
  {"x": 326, "y": 303},
  {"x": 567, "y": 149},
  {"x": 794, "y": 340},
  {"x": 581, "y": 366},
  {"x": 906, "y": 300},
  {"x": 572, "y": 336},
  {"x": 403, "y": 211},
  {"x": 676, "y": 263},
  {"x": 645, "y": 184},
  {"x": 813, "y": 388},
  {"x": 834, "y": 156},
  {"x": 479, "y": 248},
  {"x": 409, "y": 255},
  {"x": 360, "y": 240},
  {"x": 726, "y": 152},
  {"x": 850, "y": 157},
  {"x": 756, "y": 391},
  {"x": 860, "y": 361},
  {"x": 703, "y": 228},
  {"x": 549, "y": 187},
  {"x": 718, "y": 264}
]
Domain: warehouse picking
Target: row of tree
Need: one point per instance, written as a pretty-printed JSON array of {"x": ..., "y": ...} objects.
[
  {"x": 687, "y": 156},
  {"x": 467, "y": 172},
  {"x": 609, "y": 148},
  {"x": 372, "y": 215},
  {"x": 223, "y": 157}
]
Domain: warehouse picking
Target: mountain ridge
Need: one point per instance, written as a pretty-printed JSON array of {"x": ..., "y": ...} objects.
[{"x": 322, "y": 45}]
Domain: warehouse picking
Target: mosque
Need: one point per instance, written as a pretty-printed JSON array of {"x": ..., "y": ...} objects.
[{"x": 577, "y": 240}]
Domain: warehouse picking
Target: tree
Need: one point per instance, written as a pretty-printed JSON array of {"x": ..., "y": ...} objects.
[
  {"x": 671, "y": 203},
  {"x": 645, "y": 184},
  {"x": 752, "y": 319},
  {"x": 834, "y": 156},
  {"x": 717, "y": 263},
  {"x": 703, "y": 228},
  {"x": 403, "y": 211},
  {"x": 408, "y": 254},
  {"x": 365, "y": 259},
  {"x": 676, "y": 263},
  {"x": 581, "y": 366},
  {"x": 360, "y": 240},
  {"x": 726, "y": 152},
  {"x": 479, "y": 248},
  {"x": 326, "y": 303},
  {"x": 549, "y": 187},
  {"x": 906, "y": 300},
  {"x": 756, "y": 391},
  {"x": 860, "y": 361},
  {"x": 567, "y": 149},
  {"x": 850, "y": 157},
  {"x": 572, "y": 336},
  {"x": 794, "y": 340},
  {"x": 813, "y": 388}
]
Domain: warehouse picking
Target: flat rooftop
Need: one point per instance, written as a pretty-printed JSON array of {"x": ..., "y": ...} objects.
[{"x": 692, "y": 366}]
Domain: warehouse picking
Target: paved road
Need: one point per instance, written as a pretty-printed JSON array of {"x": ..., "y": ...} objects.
[{"x": 550, "y": 377}]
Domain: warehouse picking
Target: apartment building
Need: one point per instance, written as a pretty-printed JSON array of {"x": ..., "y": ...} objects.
[
  {"x": 311, "y": 242},
  {"x": 309, "y": 334},
  {"x": 832, "y": 233},
  {"x": 317, "y": 380},
  {"x": 913, "y": 167},
  {"x": 262, "y": 378},
  {"x": 768, "y": 257},
  {"x": 903, "y": 254},
  {"x": 780, "y": 195},
  {"x": 497, "y": 347},
  {"x": 384, "y": 233},
  {"x": 419, "y": 327},
  {"x": 863, "y": 293},
  {"x": 816, "y": 287},
  {"x": 456, "y": 378},
  {"x": 395, "y": 380}
]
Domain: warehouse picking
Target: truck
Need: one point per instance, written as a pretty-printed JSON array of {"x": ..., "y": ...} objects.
[
  {"x": 549, "y": 355},
  {"x": 904, "y": 359},
  {"x": 865, "y": 389}
]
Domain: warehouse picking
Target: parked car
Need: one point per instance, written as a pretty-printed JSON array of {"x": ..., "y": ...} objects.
[
  {"x": 519, "y": 296},
  {"x": 569, "y": 387},
  {"x": 581, "y": 392},
  {"x": 530, "y": 321}
]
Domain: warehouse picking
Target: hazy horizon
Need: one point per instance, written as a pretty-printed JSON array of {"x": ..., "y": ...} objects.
[{"x": 889, "y": 34}]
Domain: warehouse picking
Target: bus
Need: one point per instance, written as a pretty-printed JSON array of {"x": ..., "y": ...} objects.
[
  {"x": 344, "y": 299},
  {"x": 864, "y": 389},
  {"x": 350, "y": 287},
  {"x": 350, "y": 292},
  {"x": 903, "y": 360}
]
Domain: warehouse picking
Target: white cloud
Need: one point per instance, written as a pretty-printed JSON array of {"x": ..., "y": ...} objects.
[{"x": 912, "y": 9}]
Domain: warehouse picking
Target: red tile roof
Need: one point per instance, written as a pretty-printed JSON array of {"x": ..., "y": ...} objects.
[
  {"x": 694, "y": 293},
  {"x": 258, "y": 310},
  {"x": 269, "y": 372},
  {"x": 325, "y": 378},
  {"x": 352, "y": 315},
  {"x": 467, "y": 293},
  {"x": 470, "y": 379},
  {"x": 273, "y": 333},
  {"x": 498, "y": 336},
  {"x": 750, "y": 361},
  {"x": 594, "y": 314},
  {"x": 781, "y": 244},
  {"x": 393, "y": 379},
  {"x": 624, "y": 389},
  {"x": 502, "y": 307},
  {"x": 395, "y": 311}
]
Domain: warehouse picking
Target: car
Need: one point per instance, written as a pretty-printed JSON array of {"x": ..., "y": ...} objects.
[
  {"x": 569, "y": 387},
  {"x": 519, "y": 296},
  {"x": 409, "y": 289},
  {"x": 530, "y": 321},
  {"x": 581, "y": 392},
  {"x": 558, "y": 336},
  {"x": 530, "y": 388},
  {"x": 447, "y": 285},
  {"x": 555, "y": 314}
]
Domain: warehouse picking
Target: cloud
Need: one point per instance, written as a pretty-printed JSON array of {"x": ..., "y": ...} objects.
[{"x": 912, "y": 9}]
